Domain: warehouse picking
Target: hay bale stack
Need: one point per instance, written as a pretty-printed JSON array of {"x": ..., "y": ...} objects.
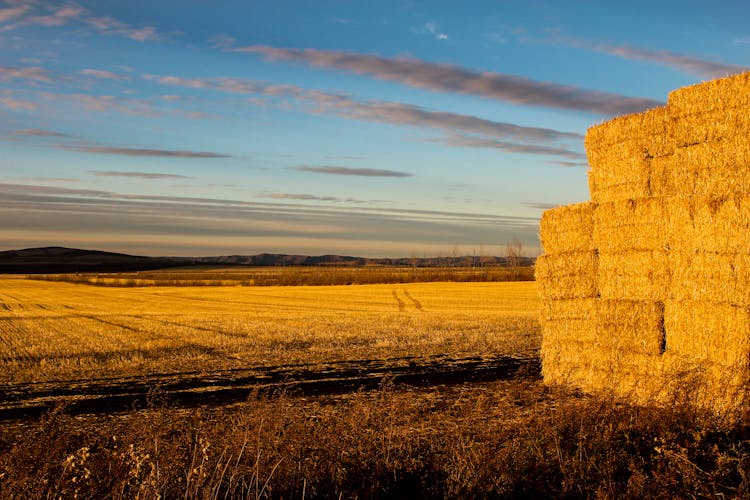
[{"x": 648, "y": 285}]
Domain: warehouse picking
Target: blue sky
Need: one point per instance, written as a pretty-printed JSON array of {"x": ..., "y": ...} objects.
[{"x": 363, "y": 128}]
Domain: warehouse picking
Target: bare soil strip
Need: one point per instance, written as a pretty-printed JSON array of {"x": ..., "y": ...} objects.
[{"x": 191, "y": 389}]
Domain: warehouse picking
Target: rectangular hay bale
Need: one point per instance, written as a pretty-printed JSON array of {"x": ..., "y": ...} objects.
[
  {"x": 569, "y": 320},
  {"x": 648, "y": 133},
  {"x": 707, "y": 224},
  {"x": 712, "y": 277},
  {"x": 704, "y": 331},
  {"x": 568, "y": 228},
  {"x": 632, "y": 327},
  {"x": 729, "y": 92},
  {"x": 567, "y": 275},
  {"x": 636, "y": 224},
  {"x": 627, "y": 181},
  {"x": 711, "y": 125},
  {"x": 634, "y": 275},
  {"x": 718, "y": 168}
]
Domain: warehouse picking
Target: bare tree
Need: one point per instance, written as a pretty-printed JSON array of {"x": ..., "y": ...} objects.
[{"x": 513, "y": 251}]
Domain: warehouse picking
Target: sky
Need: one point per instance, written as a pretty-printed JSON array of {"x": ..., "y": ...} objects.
[{"x": 376, "y": 129}]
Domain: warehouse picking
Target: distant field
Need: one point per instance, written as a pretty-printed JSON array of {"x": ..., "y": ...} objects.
[
  {"x": 294, "y": 276},
  {"x": 52, "y": 331}
]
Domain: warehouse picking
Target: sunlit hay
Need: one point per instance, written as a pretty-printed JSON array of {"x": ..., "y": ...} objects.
[
  {"x": 634, "y": 275},
  {"x": 719, "y": 333},
  {"x": 722, "y": 95},
  {"x": 567, "y": 275},
  {"x": 567, "y": 228},
  {"x": 707, "y": 224},
  {"x": 671, "y": 219},
  {"x": 639, "y": 224},
  {"x": 718, "y": 168},
  {"x": 631, "y": 326},
  {"x": 714, "y": 277},
  {"x": 621, "y": 152},
  {"x": 586, "y": 337}
]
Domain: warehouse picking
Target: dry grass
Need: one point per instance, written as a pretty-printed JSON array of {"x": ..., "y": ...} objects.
[
  {"x": 58, "y": 330},
  {"x": 300, "y": 275},
  {"x": 513, "y": 439}
]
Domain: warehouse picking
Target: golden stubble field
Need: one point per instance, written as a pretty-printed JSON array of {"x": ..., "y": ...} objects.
[
  {"x": 61, "y": 331},
  {"x": 162, "y": 397}
]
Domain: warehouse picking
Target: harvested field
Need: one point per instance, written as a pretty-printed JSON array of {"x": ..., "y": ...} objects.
[{"x": 63, "y": 341}]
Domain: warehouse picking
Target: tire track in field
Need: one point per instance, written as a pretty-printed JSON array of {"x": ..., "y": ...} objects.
[
  {"x": 417, "y": 303},
  {"x": 401, "y": 303},
  {"x": 198, "y": 388}
]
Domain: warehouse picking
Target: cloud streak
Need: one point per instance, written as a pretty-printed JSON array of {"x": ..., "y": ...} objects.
[
  {"x": 8, "y": 73},
  {"x": 143, "y": 152},
  {"x": 103, "y": 74},
  {"x": 17, "y": 104},
  {"x": 49, "y": 213},
  {"x": 457, "y": 140},
  {"x": 138, "y": 175},
  {"x": 36, "y": 132},
  {"x": 456, "y": 79},
  {"x": 681, "y": 62},
  {"x": 363, "y": 172},
  {"x": 53, "y": 14},
  {"x": 524, "y": 139}
]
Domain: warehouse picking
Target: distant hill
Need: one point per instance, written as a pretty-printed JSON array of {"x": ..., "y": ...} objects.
[
  {"x": 71, "y": 260},
  {"x": 74, "y": 260}
]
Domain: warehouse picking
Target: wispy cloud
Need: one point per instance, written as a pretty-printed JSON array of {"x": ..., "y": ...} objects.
[
  {"x": 35, "y": 74},
  {"x": 365, "y": 172},
  {"x": 17, "y": 104},
  {"x": 396, "y": 113},
  {"x": 103, "y": 74},
  {"x": 742, "y": 40},
  {"x": 430, "y": 28},
  {"x": 138, "y": 175},
  {"x": 456, "y": 79},
  {"x": 308, "y": 197},
  {"x": 569, "y": 164},
  {"x": 162, "y": 153},
  {"x": 37, "y": 132},
  {"x": 681, "y": 62},
  {"x": 153, "y": 108},
  {"x": 10, "y": 13},
  {"x": 52, "y": 14},
  {"x": 542, "y": 206},
  {"x": 465, "y": 141},
  {"x": 186, "y": 224}
]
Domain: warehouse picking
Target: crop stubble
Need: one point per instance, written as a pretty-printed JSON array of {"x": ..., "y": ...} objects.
[{"x": 59, "y": 331}]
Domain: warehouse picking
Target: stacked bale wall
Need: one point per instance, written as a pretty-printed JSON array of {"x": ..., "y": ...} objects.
[{"x": 647, "y": 286}]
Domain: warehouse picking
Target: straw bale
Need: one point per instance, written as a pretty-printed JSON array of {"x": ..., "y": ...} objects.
[
  {"x": 577, "y": 364},
  {"x": 569, "y": 320},
  {"x": 711, "y": 125},
  {"x": 634, "y": 275},
  {"x": 663, "y": 176},
  {"x": 637, "y": 224},
  {"x": 624, "y": 181},
  {"x": 713, "y": 277},
  {"x": 632, "y": 328},
  {"x": 730, "y": 92},
  {"x": 719, "y": 168},
  {"x": 647, "y": 133},
  {"x": 707, "y": 224},
  {"x": 567, "y": 228},
  {"x": 567, "y": 275},
  {"x": 719, "y": 333}
]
